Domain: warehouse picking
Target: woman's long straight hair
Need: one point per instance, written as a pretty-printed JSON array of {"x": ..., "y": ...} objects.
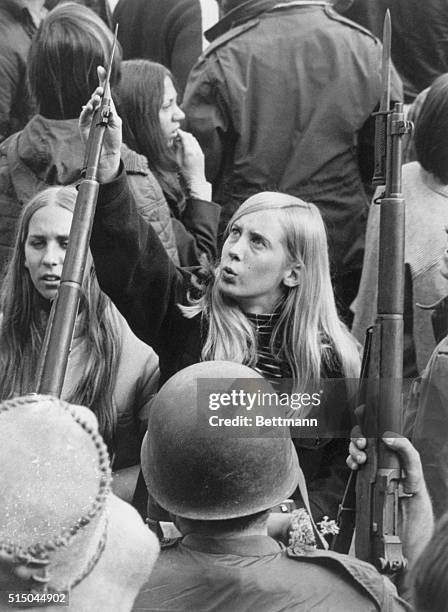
[
  {"x": 24, "y": 316},
  {"x": 139, "y": 98},
  {"x": 308, "y": 336}
]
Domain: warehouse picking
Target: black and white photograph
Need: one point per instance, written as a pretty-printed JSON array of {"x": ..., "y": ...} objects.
[{"x": 224, "y": 305}]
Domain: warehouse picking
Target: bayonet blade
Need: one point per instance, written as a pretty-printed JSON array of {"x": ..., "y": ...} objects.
[
  {"x": 379, "y": 176},
  {"x": 106, "y": 93},
  {"x": 385, "y": 64}
]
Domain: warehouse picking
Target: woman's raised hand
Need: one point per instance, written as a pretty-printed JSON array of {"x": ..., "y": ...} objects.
[
  {"x": 110, "y": 155},
  {"x": 191, "y": 161}
]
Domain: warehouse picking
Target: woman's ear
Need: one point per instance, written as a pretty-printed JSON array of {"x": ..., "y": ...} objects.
[{"x": 292, "y": 275}]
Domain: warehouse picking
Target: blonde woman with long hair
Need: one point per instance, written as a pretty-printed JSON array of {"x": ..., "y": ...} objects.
[
  {"x": 268, "y": 303},
  {"x": 109, "y": 369}
]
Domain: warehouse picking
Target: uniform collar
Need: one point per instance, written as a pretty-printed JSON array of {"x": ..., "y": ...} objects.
[
  {"x": 243, "y": 546},
  {"x": 240, "y": 13}
]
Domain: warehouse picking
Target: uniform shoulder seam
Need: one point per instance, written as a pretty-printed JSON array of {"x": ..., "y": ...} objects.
[
  {"x": 335, "y": 16},
  {"x": 229, "y": 35}
]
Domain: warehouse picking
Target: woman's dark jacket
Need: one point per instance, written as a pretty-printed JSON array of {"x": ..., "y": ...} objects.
[
  {"x": 188, "y": 217},
  {"x": 133, "y": 269}
]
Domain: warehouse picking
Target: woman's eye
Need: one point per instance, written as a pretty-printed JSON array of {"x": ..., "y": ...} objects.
[
  {"x": 64, "y": 244},
  {"x": 234, "y": 231},
  {"x": 37, "y": 244},
  {"x": 257, "y": 241}
]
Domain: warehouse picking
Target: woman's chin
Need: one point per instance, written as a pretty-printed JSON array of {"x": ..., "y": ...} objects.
[
  {"x": 225, "y": 287},
  {"x": 49, "y": 294},
  {"x": 230, "y": 295}
]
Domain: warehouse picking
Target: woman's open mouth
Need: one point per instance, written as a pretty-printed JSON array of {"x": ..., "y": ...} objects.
[
  {"x": 228, "y": 274},
  {"x": 50, "y": 278}
]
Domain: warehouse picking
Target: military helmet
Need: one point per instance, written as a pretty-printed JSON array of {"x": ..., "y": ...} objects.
[{"x": 209, "y": 473}]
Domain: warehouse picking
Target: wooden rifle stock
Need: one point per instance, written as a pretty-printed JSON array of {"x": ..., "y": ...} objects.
[{"x": 61, "y": 324}]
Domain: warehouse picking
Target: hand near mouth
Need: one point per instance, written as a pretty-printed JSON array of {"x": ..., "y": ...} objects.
[{"x": 191, "y": 161}]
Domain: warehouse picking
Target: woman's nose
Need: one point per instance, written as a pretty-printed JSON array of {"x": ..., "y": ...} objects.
[
  {"x": 236, "y": 250},
  {"x": 179, "y": 114},
  {"x": 53, "y": 255}
]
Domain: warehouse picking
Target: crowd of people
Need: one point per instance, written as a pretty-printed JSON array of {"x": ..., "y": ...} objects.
[{"x": 233, "y": 258}]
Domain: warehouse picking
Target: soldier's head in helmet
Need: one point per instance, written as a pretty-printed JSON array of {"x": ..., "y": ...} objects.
[{"x": 216, "y": 481}]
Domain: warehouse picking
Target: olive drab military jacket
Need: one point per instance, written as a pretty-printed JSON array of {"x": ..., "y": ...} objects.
[{"x": 277, "y": 102}]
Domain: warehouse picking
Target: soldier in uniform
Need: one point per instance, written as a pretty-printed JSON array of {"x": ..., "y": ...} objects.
[
  {"x": 220, "y": 489},
  {"x": 279, "y": 101}
]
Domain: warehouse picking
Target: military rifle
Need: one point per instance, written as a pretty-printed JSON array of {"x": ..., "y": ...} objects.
[
  {"x": 61, "y": 323},
  {"x": 378, "y": 482}
]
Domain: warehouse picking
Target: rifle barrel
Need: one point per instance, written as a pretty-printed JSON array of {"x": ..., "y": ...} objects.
[{"x": 60, "y": 328}]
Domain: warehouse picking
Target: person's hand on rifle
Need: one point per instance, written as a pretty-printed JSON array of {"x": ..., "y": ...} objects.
[
  {"x": 110, "y": 155},
  {"x": 413, "y": 482},
  {"x": 415, "y": 504}
]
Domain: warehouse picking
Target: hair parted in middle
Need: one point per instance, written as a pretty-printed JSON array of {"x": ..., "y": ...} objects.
[
  {"x": 71, "y": 42},
  {"x": 139, "y": 98},
  {"x": 308, "y": 324},
  {"x": 24, "y": 317}
]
